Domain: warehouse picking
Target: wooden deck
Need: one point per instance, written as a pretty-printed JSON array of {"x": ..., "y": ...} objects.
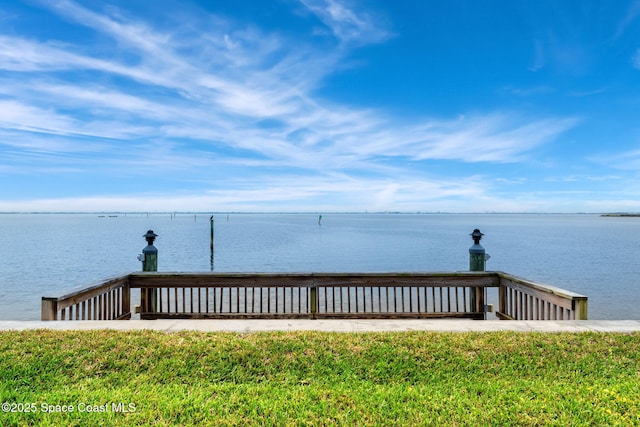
[{"x": 316, "y": 295}]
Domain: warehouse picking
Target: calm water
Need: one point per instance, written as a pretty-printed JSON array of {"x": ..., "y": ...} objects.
[{"x": 42, "y": 254}]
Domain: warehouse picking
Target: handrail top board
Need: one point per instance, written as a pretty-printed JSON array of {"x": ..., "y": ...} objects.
[
  {"x": 97, "y": 286},
  {"x": 301, "y": 275}
]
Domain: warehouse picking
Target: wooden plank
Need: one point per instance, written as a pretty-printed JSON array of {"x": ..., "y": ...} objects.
[{"x": 279, "y": 280}]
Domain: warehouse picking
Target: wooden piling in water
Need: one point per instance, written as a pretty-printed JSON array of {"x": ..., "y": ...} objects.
[{"x": 212, "y": 233}]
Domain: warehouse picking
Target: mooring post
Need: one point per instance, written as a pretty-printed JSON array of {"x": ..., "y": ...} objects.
[
  {"x": 149, "y": 260},
  {"x": 211, "y": 241},
  {"x": 212, "y": 232},
  {"x": 477, "y": 262}
]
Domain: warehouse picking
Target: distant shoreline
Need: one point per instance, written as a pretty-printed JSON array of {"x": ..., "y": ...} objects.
[{"x": 633, "y": 215}]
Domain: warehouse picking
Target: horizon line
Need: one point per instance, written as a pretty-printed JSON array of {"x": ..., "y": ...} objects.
[{"x": 315, "y": 212}]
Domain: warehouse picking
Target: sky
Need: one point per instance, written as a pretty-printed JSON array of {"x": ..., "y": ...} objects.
[{"x": 320, "y": 105}]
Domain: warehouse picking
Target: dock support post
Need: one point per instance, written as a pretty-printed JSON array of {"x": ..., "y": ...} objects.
[
  {"x": 149, "y": 260},
  {"x": 477, "y": 262}
]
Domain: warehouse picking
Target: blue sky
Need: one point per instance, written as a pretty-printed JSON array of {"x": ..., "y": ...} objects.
[{"x": 320, "y": 105}]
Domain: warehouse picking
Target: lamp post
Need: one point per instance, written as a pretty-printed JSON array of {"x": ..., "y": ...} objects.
[
  {"x": 477, "y": 254},
  {"x": 150, "y": 253},
  {"x": 477, "y": 262},
  {"x": 149, "y": 258}
]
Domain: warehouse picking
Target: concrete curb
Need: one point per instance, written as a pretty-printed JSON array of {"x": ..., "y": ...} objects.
[{"x": 331, "y": 325}]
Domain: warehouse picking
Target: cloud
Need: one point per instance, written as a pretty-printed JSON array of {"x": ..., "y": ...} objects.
[
  {"x": 233, "y": 117},
  {"x": 628, "y": 160},
  {"x": 480, "y": 138},
  {"x": 346, "y": 24},
  {"x": 293, "y": 193},
  {"x": 632, "y": 13}
]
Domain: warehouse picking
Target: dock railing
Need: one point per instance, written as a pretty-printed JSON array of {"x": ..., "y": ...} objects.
[
  {"x": 316, "y": 295},
  {"x": 107, "y": 300},
  {"x": 522, "y": 299}
]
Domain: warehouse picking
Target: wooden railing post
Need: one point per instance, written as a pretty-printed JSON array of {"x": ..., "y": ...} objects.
[
  {"x": 479, "y": 300},
  {"x": 49, "y": 310},
  {"x": 580, "y": 309},
  {"x": 313, "y": 296},
  {"x": 126, "y": 300}
]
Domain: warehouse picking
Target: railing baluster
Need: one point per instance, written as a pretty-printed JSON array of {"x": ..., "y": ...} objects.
[
  {"x": 284, "y": 300},
  {"x": 107, "y": 305},
  {"x": 333, "y": 297},
  {"x": 253, "y": 299},
  {"x": 355, "y": 288},
  {"x": 464, "y": 298},
  {"x": 326, "y": 300},
  {"x": 269, "y": 300},
  {"x": 364, "y": 299},
  {"x": 434, "y": 300},
  {"x": 513, "y": 305}
]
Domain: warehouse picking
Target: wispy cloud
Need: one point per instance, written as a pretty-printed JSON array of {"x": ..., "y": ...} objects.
[
  {"x": 632, "y": 13},
  {"x": 627, "y": 160},
  {"x": 348, "y": 25},
  {"x": 240, "y": 111}
]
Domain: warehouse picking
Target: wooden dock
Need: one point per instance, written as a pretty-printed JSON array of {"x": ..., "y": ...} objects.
[{"x": 316, "y": 296}]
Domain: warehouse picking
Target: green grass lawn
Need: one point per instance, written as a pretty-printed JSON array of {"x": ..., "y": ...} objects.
[{"x": 314, "y": 378}]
